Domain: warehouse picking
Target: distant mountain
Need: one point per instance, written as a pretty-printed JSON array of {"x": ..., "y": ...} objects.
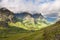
[
  {"x": 34, "y": 21},
  {"x": 22, "y": 15},
  {"x": 38, "y": 15},
  {"x": 35, "y": 16}
]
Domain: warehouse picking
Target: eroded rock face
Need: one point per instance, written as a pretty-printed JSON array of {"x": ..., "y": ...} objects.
[
  {"x": 38, "y": 16},
  {"x": 6, "y": 15}
]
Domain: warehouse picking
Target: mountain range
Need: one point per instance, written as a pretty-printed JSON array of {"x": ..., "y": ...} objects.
[
  {"x": 23, "y": 20},
  {"x": 30, "y": 20}
]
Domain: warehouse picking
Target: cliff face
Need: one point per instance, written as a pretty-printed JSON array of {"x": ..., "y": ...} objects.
[
  {"x": 6, "y": 15},
  {"x": 38, "y": 15}
]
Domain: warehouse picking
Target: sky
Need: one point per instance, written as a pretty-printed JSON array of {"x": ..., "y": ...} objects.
[{"x": 49, "y": 8}]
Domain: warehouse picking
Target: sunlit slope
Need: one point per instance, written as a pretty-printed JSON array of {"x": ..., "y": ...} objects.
[
  {"x": 28, "y": 21},
  {"x": 29, "y": 25}
]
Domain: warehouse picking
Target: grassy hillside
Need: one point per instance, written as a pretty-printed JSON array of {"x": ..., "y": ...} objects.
[
  {"x": 14, "y": 33},
  {"x": 29, "y": 25}
]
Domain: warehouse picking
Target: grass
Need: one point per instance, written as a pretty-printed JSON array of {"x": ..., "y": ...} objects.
[
  {"x": 14, "y": 33},
  {"x": 28, "y": 25}
]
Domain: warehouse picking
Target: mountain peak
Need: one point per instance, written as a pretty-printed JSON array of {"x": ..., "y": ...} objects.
[
  {"x": 6, "y": 14},
  {"x": 26, "y": 13},
  {"x": 38, "y": 15},
  {"x": 5, "y": 11}
]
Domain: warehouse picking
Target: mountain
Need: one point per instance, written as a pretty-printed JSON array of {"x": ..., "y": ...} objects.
[
  {"x": 23, "y": 20},
  {"x": 22, "y": 15},
  {"x": 39, "y": 18},
  {"x": 6, "y": 14},
  {"x": 25, "y": 15},
  {"x": 38, "y": 15},
  {"x": 5, "y": 17},
  {"x": 31, "y": 22}
]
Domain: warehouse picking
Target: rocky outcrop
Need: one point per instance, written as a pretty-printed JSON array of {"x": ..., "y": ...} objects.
[
  {"x": 38, "y": 15},
  {"x": 6, "y": 15},
  {"x": 28, "y": 16}
]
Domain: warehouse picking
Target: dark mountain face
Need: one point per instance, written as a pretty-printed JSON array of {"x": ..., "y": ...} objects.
[
  {"x": 25, "y": 15},
  {"x": 58, "y": 22},
  {"x": 5, "y": 14},
  {"x": 5, "y": 11},
  {"x": 38, "y": 16},
  {"x": 22, "y": 15}
]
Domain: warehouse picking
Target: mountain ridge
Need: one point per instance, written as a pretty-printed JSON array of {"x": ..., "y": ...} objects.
[{"x": 24, "y": 20}]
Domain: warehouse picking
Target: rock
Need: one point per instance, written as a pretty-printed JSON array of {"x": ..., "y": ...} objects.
[{"x": 6, "y": 15}]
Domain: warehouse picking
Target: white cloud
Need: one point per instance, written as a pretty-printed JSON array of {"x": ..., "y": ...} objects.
[
  {"x": 50, "y": 7},
  {"x": 21, "y": 5}
]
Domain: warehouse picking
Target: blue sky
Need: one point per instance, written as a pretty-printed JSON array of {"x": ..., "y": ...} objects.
[
  {"x": 42, "y": 1},
  {"x": 35, "y": 2},
  {"x": 50, "y": 8}
]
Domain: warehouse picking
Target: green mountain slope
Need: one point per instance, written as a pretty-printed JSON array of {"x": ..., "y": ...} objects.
[{"x": 14, "y": 33}]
